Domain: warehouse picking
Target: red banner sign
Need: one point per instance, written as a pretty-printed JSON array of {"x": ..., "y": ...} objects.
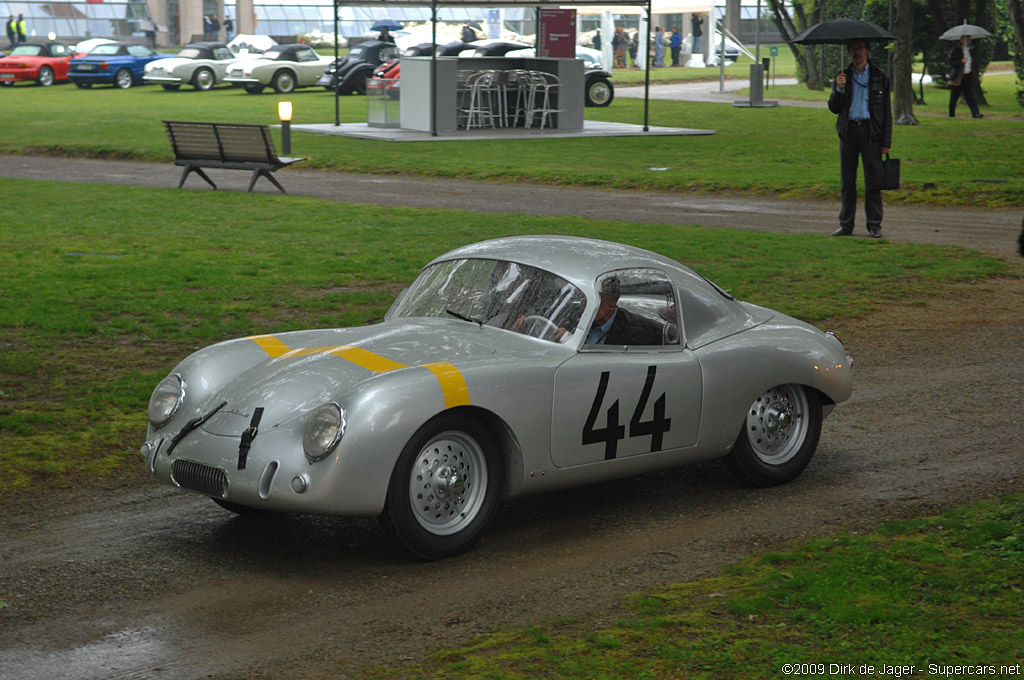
[{"x": 557, "y": 33}]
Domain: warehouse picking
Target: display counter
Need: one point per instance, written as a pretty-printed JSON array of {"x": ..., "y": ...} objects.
[{"x": 416, "y": 85}]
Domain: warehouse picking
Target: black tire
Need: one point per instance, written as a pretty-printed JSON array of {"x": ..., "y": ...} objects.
[
  {"x": 203, "y": 79},
  {"x": 779, "y": 436},
  {"x": 171, "y": 88},
  {"x": 254, "y": 89},
  {"x": 599, "y": 92},
  {"x": 445, "y": 487},
  {"x": 361, "y": 81},
  {"x": 284, "y": 82},
  {"x": 123, "y": 79},
  {"x": 7, "y": 83},
  {"x": 83, "y": 86},
  {"x": 45, "y": 77}
]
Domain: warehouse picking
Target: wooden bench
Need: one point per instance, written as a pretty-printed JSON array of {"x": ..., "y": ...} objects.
[{"x": 236, "y": 146}]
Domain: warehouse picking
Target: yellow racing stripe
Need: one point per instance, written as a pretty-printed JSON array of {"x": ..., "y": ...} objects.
[{"x": 453, "y": 384}]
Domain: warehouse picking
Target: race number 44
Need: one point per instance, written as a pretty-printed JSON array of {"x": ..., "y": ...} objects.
[{"x": 613, "y": 431}]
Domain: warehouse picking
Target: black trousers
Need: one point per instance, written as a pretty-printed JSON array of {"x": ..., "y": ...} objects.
[
  {"x": 675, "y": 55},
  {"x": 966, "y": 87},
  {"x": 856, "y": 147}
]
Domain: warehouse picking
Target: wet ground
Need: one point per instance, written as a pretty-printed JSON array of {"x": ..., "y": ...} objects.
[{"x": 132, "y": 580}]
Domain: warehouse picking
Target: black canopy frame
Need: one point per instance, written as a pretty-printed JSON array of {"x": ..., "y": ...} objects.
[{"x": 435, "y": 5}]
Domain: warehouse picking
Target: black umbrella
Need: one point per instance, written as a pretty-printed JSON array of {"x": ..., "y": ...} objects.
[{"x": 841, "y": 31}]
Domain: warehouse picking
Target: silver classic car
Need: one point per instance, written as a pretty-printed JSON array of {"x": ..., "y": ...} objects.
[
  {"x": 508, "y": 367},
  {"x": 201, "y": 65},
  {"x": 282, "y": 67}
]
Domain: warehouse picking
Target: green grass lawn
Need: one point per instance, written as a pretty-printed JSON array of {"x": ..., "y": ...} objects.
[
  {"x": 787, "y": 151},
  {"x": 109, "y": 287}
]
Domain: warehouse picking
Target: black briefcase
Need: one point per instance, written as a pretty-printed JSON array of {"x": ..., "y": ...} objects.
[{"x": 884, "y": 174}]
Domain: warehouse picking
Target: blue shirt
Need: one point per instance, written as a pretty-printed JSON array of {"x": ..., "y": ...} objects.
[
  {"x": 596, "y": 335},
  {"x": 859, "y": 103}
]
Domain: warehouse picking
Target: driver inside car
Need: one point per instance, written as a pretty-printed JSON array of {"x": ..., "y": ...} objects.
[{"x": 614, "y": 325}]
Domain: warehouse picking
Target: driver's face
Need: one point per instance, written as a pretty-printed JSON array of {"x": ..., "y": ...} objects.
[{"x": 608, "y": 305}]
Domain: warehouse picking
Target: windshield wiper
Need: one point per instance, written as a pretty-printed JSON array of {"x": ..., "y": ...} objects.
[{"x": 464, "y": 317}]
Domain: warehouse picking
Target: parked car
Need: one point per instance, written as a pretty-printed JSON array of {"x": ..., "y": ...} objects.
[
  {"x": 597, "y": 82},
  {"x": 201, "y": 65},
  {"x": 120, "y": 64},
  {"x": 348, "y": 75},
  {"x": 282, "y": 67},
  {"x": 498, "y": 373},
  {"x": 43, "y": 63},
  {"x": 392, "y": 69}
]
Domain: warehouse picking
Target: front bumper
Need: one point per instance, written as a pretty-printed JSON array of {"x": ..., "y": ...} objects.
[{"x": 243, "y": 81}]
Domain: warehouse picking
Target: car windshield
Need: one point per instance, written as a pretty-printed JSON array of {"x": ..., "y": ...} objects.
[
  {"x": 495, "y": 293},
  {"x": 105, "y": 50},
  {"x": 27, "y": 51}
]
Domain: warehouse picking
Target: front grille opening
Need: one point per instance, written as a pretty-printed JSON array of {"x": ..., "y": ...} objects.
[{"x": 204, "y": 479}]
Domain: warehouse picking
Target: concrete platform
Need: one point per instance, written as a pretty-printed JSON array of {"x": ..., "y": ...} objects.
[{"x": 590, "y": 129}]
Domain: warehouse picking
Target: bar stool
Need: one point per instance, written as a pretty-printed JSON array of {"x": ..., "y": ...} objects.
[
  {"x": 543, "y": 97},
  {"x": 479, "y": 109}
]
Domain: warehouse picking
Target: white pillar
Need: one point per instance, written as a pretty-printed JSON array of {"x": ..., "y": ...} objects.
[
  {"x": 643, "y": 38},
  {"x": 607, "y": 33}
]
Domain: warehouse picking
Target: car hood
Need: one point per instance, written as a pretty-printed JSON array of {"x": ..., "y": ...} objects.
[{"x": 296, "y": 372}]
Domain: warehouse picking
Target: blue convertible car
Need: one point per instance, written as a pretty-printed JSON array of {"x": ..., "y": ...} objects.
[{"x": 120, "y": 64}]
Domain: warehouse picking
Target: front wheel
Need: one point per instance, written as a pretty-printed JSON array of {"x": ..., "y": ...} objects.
[
  {"x": 779, "y": 436},
  {"x": 123, "y": 79},
  {"x": 445, "y": 488},
  {"x": 599, "y": 92},
  {"x": 45, "y": 77}
]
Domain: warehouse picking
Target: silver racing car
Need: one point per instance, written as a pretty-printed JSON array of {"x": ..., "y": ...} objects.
[{"x": 508, "y": 367}]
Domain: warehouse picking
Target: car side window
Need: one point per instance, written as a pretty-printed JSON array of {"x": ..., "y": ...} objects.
[
  {"x": 637, "y": 308},
  {"x": 139, "y": 51},
  {"x": 305, "y": 55},
  {"x": 222, "y": 54}
]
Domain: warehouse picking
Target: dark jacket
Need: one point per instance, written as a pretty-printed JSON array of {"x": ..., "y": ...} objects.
[
  {"x": 879, "y": 105},
  {"x": 956, "y": 62},
  {"x": 627, "y": 329}
]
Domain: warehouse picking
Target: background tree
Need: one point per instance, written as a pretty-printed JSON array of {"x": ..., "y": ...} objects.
[
  {"x": 903, "y": 94},
  {"x": 1016, "y": 9},
  {"x": 805, "y": 55}
]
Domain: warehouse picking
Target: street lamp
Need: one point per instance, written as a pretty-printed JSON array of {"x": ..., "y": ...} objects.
[{"x": 284, "y": 112}]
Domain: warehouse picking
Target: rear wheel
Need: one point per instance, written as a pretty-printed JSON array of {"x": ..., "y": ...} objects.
[
  {"x": 445, "y": 488},
  {"x": 203, "y": 79},
  {"x": 45, "y": 77},
  {"x": 779, "y": 436},
  {"x": 361, "y": 81},
  {"x": 599, "y": 92},
  {"x": 123, "y": 79},
  {"x": 283, "y": 82}
]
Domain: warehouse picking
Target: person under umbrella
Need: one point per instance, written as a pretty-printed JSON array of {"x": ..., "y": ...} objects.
[
  {"x": 963, "y": 66},
  {"x": 860, "y": 98}
]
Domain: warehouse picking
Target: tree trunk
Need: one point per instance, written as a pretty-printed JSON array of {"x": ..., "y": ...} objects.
[
  {"x": 814, "y": 79},
  {"x": 903, "y": 99},
  {"x": 1017, "y": 19},
  {"x": 790, "y": 31}
]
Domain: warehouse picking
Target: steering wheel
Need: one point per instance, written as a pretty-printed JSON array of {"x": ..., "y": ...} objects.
[{"x": 539, "y": 326}]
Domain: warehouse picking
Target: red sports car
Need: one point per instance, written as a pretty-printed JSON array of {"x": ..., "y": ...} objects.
[{"x": 41, "y": 62}]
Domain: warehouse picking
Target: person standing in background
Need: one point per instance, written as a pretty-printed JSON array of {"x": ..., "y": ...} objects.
[
  {"x": 676, "y": 44},
  {"x": 229, "y": 28},
  {"x": 963, "y": 75},
  {"x": 695, "y": 23},
  {"x": 659, "y": 46}
]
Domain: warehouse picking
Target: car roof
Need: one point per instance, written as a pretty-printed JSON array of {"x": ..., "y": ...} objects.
[{"x": 578, "y": 260}]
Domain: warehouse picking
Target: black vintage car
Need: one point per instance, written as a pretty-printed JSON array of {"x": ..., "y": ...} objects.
[{"x": 348, "y": 75}]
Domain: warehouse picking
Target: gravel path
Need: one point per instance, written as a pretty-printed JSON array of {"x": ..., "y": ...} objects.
[{"x": 131, "y": 580}]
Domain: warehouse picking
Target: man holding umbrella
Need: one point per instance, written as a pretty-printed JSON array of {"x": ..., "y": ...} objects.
[{"x": 963, "y": 66}]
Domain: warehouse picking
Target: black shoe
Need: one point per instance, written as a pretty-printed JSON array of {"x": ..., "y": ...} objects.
[
  {"x": 977, "y": 115},
  {"x": 842, "y": 231},
  {"x": 875, "y": 232}
]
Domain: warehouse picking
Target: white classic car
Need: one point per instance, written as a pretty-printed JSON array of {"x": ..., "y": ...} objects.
[
  {"x": 201, "y": 65},
  {"x": 283, "y": 67},
  {"x": 508, "y": 367}
]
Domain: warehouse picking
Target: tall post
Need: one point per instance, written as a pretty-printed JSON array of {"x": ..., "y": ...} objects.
[{"x": 337, "y": 111}]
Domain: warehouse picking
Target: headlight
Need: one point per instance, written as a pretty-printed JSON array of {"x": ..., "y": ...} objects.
[
  {"x": 324, "y": 430},
  {"x": 166, "y": 399}
]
